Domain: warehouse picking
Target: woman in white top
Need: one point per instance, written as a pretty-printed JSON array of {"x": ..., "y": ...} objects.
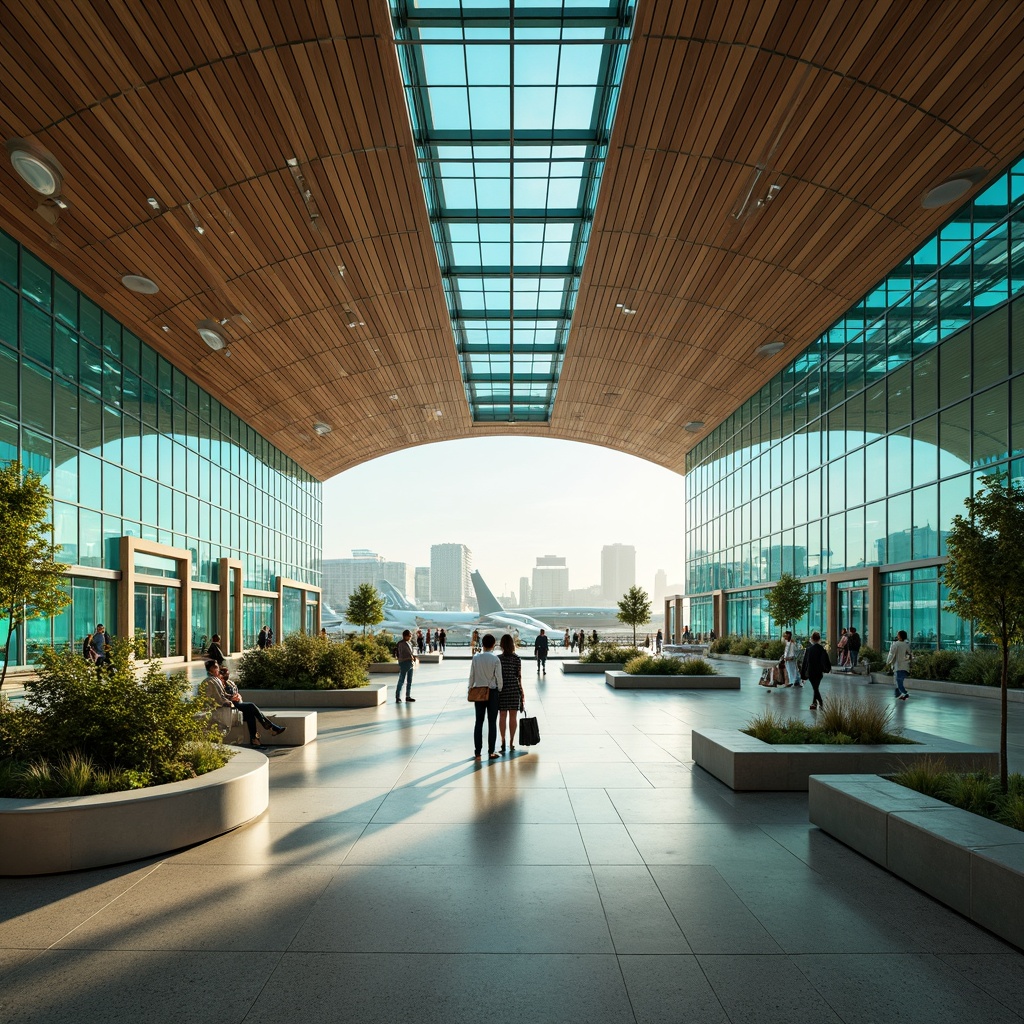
[
  {"x": 789, "y": 655},
  {"x": 899, "y": 657}
]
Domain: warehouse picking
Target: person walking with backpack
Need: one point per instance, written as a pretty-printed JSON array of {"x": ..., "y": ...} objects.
[{"x": 815, "y": 664}]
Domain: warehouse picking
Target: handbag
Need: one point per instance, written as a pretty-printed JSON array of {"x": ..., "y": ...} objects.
[
  {"x": 529, "y": 732},
  {"x": 479, "y": 693}
]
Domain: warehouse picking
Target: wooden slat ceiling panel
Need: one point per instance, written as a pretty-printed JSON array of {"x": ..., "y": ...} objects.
[{"x": 855, "y": 111}]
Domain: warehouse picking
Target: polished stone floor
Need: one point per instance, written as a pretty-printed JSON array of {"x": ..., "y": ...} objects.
[{"x": 599, "y": 877}]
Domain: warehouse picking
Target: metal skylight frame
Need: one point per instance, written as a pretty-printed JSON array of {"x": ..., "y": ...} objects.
[{"x": 511, "y": 111}]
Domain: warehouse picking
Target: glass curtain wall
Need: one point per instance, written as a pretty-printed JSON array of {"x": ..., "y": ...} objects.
[
  {"x": 864, "y": 447},
  {"x": 257, "y": 612},
  {"x": 129, "y": 445}
]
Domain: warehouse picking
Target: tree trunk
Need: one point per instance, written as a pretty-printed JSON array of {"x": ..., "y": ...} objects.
[
  {"x": 7, "y": 647},
  {"x": 1004, "y": 783},
  {"x": 634, "y": 634}
]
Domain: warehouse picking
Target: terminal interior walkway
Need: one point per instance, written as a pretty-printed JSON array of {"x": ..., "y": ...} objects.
[{"x": 599, "y": 877}]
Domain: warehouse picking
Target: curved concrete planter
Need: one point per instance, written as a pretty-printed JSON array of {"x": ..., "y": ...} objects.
[
  {"x": 362, "y": 697},
  {"x": 946, "y": 686},
  {"x": 972, "y": 864},
  {"x": 743, "y": 762},
  {"x": 44, "y": 837},
  {"x": 380, "y": 668},
  {"x": 625, "y": 681},
  {"x": 585, "y": 668}
]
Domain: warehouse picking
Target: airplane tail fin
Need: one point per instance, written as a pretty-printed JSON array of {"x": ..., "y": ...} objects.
[
  {"x": 487, "y": 603},
  {"x": 392, "y": 598}
]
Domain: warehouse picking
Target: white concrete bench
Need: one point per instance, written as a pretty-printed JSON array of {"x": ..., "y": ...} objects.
[{"x": 300, "y": 729}]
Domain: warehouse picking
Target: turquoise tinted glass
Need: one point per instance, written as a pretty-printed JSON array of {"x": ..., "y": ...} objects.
[{"x": 511, "y": 117}]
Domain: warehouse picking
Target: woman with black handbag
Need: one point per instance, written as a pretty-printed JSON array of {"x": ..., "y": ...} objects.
[{"x": 512, "y": 699}]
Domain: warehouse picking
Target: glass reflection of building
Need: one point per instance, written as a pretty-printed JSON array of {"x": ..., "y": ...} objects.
[
  {"x": 848, "y": 466},
  {"x": 176, "y": 518}
]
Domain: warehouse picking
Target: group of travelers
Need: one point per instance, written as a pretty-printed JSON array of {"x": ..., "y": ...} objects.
[
  {"x": 579, "y": 640},
  {"x": 849, "y": 649},
  {"x": 502, "y": 674},
  {"x": 265, "y": 638},
  {"x": 432, "y": 642}
]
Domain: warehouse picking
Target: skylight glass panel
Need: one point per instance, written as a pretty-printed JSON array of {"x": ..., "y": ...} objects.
[{"x": 511, "y": 123}]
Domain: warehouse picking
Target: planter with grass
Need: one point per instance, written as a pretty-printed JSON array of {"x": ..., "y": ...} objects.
[
  {"x": 311, "y": 672},
  {"x": 102, "y": 767},
  {"x": 969, "y": 862},
  {"x": 601, "y": 658},
  {"x": 849, "y": 737},
  {"x": 649, "y": 672}
]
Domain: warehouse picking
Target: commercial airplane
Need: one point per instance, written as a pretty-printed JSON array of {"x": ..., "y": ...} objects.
[
  {"x": 400, "y": 613},
  {"x": 566, "y": 617}
]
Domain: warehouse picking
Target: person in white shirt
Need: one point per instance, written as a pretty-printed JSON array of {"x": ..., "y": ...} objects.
[
  {"x": 899, "y": 657},
  {"x": 485, "y": 670},
  {"x": 789, "y": 656}
]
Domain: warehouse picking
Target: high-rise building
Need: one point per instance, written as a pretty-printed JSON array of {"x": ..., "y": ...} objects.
[
  {"x": 550, "y": 582},
  {"x": 618, "y": 570},
  {"x": 451, "y": 587},
  {"x": 525, "y": 599},
  {"x": 341, "y": 576},
  {"x": 422, "y": 585},
  {"x": 660, "y": 585}
]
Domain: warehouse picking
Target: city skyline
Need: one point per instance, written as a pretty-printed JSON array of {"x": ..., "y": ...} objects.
[{"x": 567, "y": 499}]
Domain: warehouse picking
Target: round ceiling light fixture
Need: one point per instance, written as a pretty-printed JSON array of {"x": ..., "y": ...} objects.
[
  {"x": 209, "y": 331},
  {"x": 321, "y": 429},
  {"x": 694, "y": 426},
  {"x": 141, "y": 285},
  {"x": 35, "y": 167},
  {"x": 771, "y": 348},
  {"x": 953, "y": 188}
]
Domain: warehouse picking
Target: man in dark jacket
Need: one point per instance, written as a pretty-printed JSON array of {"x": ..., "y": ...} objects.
[
  {"x": 540, "y": 651},
  {"x": 815, "y": 664}
]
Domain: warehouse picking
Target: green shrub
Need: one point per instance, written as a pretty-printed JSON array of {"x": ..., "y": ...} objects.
[
  {"x": 303, "y": 662},
  {"x": 985, "y": 667},
  {"x": 934, "y": 664},
  {"x": 1011, "y": 811},
  {"x": 651, "y": 665},
  {"x": 722, "y": 644},
  {"x": 373, "y": 647},
  {"x": 926, "y": 776},
  {"x": 773, "y": 649},
  {"x": 871, "y": 657},
  {"x": 758, "y": 649},
  {"x": 977, "y": 792},
  {"x": 609, "y": 654},
  {"x": 742, "y": 646}
]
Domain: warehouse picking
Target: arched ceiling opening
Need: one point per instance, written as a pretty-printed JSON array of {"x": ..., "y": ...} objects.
[{"x": 256, "y": 160}]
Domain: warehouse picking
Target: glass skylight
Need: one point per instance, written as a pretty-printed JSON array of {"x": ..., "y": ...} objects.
[{"x": 511, "y": 110}]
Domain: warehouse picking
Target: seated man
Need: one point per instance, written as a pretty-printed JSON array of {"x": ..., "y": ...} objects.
[{"x": 214, "y": 688}]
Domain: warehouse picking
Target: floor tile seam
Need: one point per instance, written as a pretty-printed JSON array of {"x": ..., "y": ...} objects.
[
  {"x": 153, "y": 868},
  {"x": 262, "y": 988},
  {"x": 1013, "y": 1008},
  {"x": 711, "y": 987}
]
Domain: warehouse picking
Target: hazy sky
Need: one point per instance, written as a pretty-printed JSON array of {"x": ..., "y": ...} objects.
[{"x": 557, "y": 498}]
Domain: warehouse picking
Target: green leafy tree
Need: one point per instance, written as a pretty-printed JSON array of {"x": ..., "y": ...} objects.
[
  {"x": 985, "y": 576},
  {"x": 32, "y": 584},
  {"x": 788, "y": 601},
  {"x": 365, "y": 607},
  {"x": 635, "y": 609}
]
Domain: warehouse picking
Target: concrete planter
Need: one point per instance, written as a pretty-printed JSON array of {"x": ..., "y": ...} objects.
[
  {"x": 745, "y": 763},
  {"x": 44, "y": 837},
  {"x": 971, "y": 864},
  {"x": 299, "y": 729},
  {"x": 376, "y": 668},
  {"x": 585, "y": 668},
  {"x": 945, "y": 686},
  {"x": 363, "y": 697},
  {"x": 624, "y": 681},
  {"x": 433, "y": 658}
]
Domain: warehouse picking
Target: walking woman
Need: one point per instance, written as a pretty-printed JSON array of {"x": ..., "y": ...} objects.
[{"x": 512, "y": 699}]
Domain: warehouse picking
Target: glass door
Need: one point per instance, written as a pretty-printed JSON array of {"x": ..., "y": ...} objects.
[{"x": 853, "y": 610}]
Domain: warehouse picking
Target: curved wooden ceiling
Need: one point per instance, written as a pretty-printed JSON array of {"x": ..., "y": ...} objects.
[{"x": 202, "y": 104}]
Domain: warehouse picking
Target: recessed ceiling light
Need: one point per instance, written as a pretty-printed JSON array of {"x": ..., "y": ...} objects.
[
  {"x": 153, "y": 203},
  {"x": 624, "y": 309},
  {"x": 694, "y": 426},
  {"x": 394, "y": 398},
  {"x": 438, "y": 412},
  {"x": 165, "y": 328},
  {"x": 321, "y": 429},
  {"x": 140, "y": 284},
  {"x": 36, "y": 168},
  {"x": 60, "y": 202},
  {"x": 950, "y": 190},
  {"x": 292, "y": 162},
  {"x": 209, "y": 331},
  {"x": 613, "y": 394},
  {"x": 770, "y": 348}
]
